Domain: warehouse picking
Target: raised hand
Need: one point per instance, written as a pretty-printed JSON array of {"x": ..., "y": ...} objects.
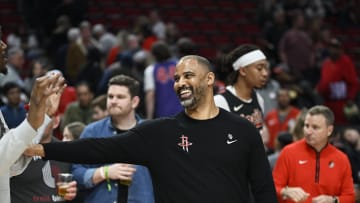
[
  {"x": 43, "y": 88},
  {"x": 53, "y": 101}
]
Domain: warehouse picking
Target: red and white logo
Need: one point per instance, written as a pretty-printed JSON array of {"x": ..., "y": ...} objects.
[{"x": 184, "y": 144}]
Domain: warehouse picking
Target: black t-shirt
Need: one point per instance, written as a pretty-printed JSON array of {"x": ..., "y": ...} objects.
[{"x": 191, "y": 161}]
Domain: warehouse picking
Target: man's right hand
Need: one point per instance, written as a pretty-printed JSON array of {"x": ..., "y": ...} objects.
[
  {"x": 297, "y": 194},
  {"x": 121, "y": 171},
  {"x": 43, "y": 88}
]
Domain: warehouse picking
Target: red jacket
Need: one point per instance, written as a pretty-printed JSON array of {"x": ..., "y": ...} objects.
[
  {"x": 275, "y": 126},
  {"x": 324, "y": 173}
]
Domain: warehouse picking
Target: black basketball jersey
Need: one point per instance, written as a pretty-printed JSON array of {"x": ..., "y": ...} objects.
[
  {"x": 37, "y": 182},
  {"x": 251, "y": 111}
]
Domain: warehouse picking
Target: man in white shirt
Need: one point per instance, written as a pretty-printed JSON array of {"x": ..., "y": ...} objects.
[{"x": 44, "y": 99}]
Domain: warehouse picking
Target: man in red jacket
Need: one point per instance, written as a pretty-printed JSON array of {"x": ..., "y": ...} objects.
[
  {"x": 282, "y": 118},
  {"x": 338, "y": 83},
  {"x": 312, "y": 170}
]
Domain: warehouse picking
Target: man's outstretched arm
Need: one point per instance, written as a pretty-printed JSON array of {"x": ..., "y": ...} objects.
[{"x": 129, "y": 147}]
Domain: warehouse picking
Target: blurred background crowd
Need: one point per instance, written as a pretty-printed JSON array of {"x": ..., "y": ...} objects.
[{"x": 91, "y": 41}]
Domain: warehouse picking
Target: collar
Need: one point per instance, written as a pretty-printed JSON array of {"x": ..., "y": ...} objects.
[
  {"x": 324, "y": 149},
  {"x": 109, "y": 123}
]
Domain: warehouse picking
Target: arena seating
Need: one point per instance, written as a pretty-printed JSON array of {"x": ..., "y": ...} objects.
[{"x": 211, "y": 24}]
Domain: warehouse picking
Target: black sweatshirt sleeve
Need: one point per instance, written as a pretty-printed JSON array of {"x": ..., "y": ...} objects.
[
  {"x": 129, "y": 147},
  {"x": 261, "y": 180}
]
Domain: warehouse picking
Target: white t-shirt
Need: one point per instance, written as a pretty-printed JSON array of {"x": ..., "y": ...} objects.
[
  {"x": 12, "y": 145},
  {"x": 149, "y": 80}
]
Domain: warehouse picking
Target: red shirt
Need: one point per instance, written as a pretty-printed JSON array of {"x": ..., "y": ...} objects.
[
  {"x": 112, "y": 55},
  {"x": 68, "y": 96},
  {"x": 337, "y": 85},
  {"x": 275, "y": 126},
  {"x": 324, "y": 173},
  {"x": 148, "y": 42}
]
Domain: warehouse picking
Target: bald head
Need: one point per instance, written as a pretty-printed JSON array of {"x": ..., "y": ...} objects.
[{"x": 203, "y": 62}]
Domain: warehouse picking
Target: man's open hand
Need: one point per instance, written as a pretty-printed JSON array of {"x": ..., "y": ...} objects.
[{"x": 44, "y": 98}]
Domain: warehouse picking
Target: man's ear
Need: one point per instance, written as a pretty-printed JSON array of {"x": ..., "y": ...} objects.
[
  {"x": 210, "y": 78},
  {"x": 242, "y": 71},
  {"x": 135, "y": 102},
  {"x": 330, "y": 130}
]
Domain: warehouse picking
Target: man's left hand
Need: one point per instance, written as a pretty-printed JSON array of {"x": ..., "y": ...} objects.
[{"x": 323, "y": 199}]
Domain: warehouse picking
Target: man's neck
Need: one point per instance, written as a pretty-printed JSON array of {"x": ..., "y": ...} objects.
[
  {"x": 319, "y": 147},
  {"x": 203, "y": 111},
  {"x": 83, "y": 106},
  {"x": 124, "y": 122},
  {"x": 13, "y": 106},
  {"x": 357, "y": 147},
  {"x": 284, "y": 110},
  {"x": 243, "y": 91}
]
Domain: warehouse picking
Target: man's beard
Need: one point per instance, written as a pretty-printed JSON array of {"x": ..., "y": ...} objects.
[
  {"x": 193, "y": 102},
  {"x": 283, "y": 106},
  {"x": 188, "y": 103}
]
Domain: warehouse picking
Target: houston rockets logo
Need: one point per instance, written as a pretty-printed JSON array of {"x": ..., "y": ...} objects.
[{"x": 184, "y": 144}]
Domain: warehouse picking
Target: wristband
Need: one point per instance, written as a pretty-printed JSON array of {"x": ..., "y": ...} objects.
[{"x": 106, "y": 168}]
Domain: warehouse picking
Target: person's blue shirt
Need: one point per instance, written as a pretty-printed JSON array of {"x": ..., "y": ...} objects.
[
  {"x": 13, "y": 115},
  {"x": 140, "y": 190}
]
